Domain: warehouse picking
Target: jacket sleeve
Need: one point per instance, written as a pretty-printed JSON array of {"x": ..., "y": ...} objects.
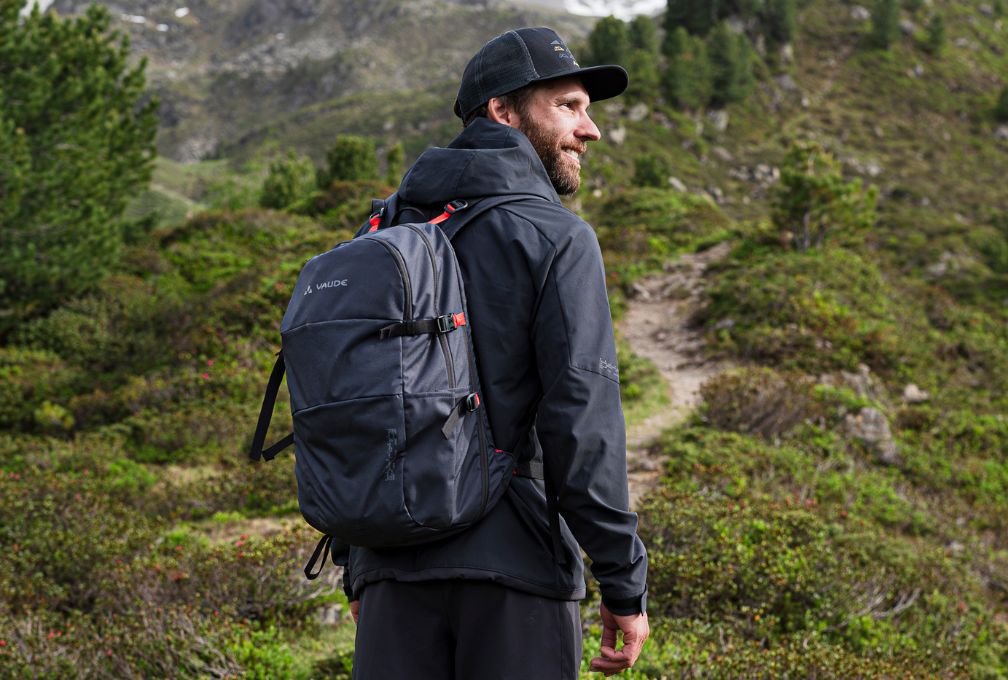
[{"x": 580, "y": 418}]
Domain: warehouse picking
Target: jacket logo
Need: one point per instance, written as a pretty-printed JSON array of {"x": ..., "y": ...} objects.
[
  {"x": 335, "y": 283},
  {"x": 607, "y": 367}
]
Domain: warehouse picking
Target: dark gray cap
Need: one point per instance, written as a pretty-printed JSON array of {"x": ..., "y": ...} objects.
[{"x": 529, "y": 55}]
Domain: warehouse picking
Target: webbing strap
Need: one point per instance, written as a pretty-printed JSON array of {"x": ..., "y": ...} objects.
[
  {"x": 441, "y": 324},
  {"x": 266, "y": 414},
  {"x": 467, "y": 405},
  {"x": 321, "y": 550}
]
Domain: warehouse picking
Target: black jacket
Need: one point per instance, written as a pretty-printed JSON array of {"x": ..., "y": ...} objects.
[{"x": 543, "y": 334}]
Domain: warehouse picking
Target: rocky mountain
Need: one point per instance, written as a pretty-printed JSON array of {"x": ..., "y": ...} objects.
[{"x": 227, "y": 69}]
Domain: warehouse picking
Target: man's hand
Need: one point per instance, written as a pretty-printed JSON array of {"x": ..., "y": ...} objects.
[
  {"x": 635, "y": 632},
  {"x": 355, "y": 610}
]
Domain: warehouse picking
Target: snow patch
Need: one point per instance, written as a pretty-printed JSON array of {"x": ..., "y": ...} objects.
[
  {"x": 43, "y": 5},
  {"x": 623, "y": 9}
]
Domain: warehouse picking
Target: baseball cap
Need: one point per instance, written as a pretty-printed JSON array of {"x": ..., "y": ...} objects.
[{"x": 529, "y": 55}]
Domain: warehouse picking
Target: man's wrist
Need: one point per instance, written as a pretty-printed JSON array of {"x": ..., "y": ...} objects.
[{"x": 626, "y": 606}]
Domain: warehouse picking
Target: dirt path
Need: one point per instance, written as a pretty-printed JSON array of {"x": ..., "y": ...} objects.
[{"x": 655, "y": 326}]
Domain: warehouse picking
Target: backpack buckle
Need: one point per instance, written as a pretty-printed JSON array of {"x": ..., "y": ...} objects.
[
  {"x": 457, "y": 204},
  {"x": 472, "y": 402},
  {"x": 446, "y": 323}
]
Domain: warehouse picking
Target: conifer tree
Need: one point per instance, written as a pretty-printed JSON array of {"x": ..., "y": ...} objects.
[
  {"x": 686, "y": 80},
  {"x": 696, "y": 16},
  {"x": 643, "y": 34},
  {"x": 779, "y": 21},
  {"x": 644, "y": 76},
  {"x": 936, "y": 34},
  {"x": 813, "y": 200},
  {"x": 730, "y": 66},
  {"x": 609, "y": 42},
  {"x": 885, "y": 24},
  {"x": 76, "y": 141},
  {"x": 1001, "y": 109}
]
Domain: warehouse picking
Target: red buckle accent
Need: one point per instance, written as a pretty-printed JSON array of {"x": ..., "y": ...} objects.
[
  {"x": 459, "y": 319},
  {"x": 374, "y": 221}
]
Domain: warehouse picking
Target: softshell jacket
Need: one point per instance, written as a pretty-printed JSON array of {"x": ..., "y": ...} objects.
[{"x": 543, "y": 334}]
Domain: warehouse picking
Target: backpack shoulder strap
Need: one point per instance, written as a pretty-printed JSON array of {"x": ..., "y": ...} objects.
[{"x": 477, "y": 207}]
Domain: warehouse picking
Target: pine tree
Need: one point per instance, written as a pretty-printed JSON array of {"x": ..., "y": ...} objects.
[
  {"x": 350, "y": 158},
  {"x": 696, "y": 16},
  {"x": 76, "y": 141},
  {"x": 644, "y": 76},
  {"x": 936, "y": 34},
  {"x": 813, "y": 200},
  {"x": 686, "y": 81},
  {"x": 730, "y": 60},
  {"x": 885, "y": 24},
  {"x": 643, "y": 34},
  {"x": 1001, "y": 109},
  {"x": 779, "y": 21},
  {"x": 609, "y": 42}
]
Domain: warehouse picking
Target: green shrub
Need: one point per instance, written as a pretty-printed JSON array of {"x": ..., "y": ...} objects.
[
  {"x": 730, "y": 58},
  {"x": 651, "y": 170},
  {"x": 758, "y": 401},
  {"x": 350, "y": 158},
  {"x": 60, "y": 535},
  {"x": 29, "y": 379},
  {"x": 640, "y": 228},
  {"x": 819, "y": 311},
  {"x": 289, "y": 181}
]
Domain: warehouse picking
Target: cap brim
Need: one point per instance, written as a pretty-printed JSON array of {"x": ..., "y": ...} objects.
[{"x": 601, "y": 82}]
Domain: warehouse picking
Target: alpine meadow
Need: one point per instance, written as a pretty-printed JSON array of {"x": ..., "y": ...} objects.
[{"x": 803, "y": 212}]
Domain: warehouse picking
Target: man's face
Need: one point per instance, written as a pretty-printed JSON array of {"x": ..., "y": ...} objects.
[{"x": 556, "y": 121}]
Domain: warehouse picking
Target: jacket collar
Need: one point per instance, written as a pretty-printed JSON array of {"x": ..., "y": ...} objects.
[{"x": 486, "y": 159}]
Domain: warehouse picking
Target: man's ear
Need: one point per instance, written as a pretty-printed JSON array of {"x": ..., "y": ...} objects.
[{"x": 499, "y": 112}]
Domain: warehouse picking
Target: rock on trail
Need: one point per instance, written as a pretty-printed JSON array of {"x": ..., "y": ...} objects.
[{"x": 656, "y": 327}]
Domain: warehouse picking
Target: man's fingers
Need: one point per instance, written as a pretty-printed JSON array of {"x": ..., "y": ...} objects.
[{"x": 609, "y": 667}]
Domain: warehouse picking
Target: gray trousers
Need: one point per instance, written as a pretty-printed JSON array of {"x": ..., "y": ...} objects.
[{"x": 464, "y": 630}]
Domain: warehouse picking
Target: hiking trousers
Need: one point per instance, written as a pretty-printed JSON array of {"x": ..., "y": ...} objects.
[{"x": 464, "y": 630}]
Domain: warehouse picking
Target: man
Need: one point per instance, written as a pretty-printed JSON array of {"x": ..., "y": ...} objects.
[{"x": 499, "y": 600}]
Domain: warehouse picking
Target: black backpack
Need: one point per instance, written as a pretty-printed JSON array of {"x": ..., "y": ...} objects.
[{"x": 392, "y": 444}]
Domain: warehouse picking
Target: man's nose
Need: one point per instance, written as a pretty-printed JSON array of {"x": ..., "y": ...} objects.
[{"x": 587, "y": 130}]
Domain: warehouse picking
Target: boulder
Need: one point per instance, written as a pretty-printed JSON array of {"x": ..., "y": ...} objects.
[
  {"x": 677, "y": 184},
  {"x": 1001, "y": 134},
  {"x": 914, "y": 395},
  {"x": 871, "y": 428},
  {"x": 860, "y": 13},
  {"x": 719, "y": 119}
]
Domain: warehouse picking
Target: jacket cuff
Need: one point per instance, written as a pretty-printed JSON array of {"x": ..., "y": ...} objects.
[{"x": 626, "y": 606}]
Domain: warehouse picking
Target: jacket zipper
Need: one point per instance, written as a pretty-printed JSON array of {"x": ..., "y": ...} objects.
[
  {"x": 449, "y": 363},
  {"x": 407, "y": 287}
]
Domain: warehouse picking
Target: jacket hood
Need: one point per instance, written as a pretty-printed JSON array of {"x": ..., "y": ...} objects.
[{"x": 486, "y": 159}]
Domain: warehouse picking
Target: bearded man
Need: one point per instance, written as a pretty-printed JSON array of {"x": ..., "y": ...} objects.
[{"x": 500, "y": 599}]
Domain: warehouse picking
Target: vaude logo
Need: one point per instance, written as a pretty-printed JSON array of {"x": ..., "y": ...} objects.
[{"x": 335, "y": 283}]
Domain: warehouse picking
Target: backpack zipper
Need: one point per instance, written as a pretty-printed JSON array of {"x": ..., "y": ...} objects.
[
  {"x": 407, "y": 287},
  {"x": 449, "y": 363}
]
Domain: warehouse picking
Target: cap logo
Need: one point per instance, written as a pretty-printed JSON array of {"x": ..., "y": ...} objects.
[{"x": 563, "y": 52}]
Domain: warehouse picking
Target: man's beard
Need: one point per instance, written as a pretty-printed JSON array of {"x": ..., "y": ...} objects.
[{"x": 563, "y": 171}]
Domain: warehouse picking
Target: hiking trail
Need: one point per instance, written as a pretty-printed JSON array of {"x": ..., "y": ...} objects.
[{"x": 656, "y": 326}]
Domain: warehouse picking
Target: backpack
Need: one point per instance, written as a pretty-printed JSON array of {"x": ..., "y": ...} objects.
[{"x": 392, "y": 443}]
